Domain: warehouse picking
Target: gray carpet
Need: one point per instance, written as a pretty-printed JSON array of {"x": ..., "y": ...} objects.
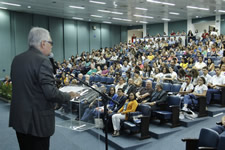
[{"x": 65, "y": 139}]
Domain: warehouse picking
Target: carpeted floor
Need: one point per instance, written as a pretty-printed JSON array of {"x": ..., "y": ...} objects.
[{"x": 65, "y": 139}]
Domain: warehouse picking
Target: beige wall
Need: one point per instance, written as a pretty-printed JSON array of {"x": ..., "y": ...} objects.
[{"x": 138, "y": 33}]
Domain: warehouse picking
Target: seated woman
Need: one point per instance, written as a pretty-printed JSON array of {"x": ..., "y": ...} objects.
[
  {"x": 129, "y": 106},
  {"x": 187, "y": 87},
  {"x": 200, "y": 90}
]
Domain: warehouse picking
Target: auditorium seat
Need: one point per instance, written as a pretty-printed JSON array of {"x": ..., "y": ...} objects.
[
  {"x": 153, "y": 85},
  {"x": 141, "y": 124},
  {"x": 109, "y": 80},
  {"x": 97, "y": 78},
  {"x": 171, "y": 112},
  {"x": 208, "y": 139},
  {"x": 102, "y": 79},
  {"x": 167, "y": 87},
  {"x": 175, "y": 88}
]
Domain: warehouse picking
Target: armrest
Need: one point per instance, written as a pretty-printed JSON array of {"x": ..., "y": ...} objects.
[
  {"x": 174, "y": 106},
  {"x": 207, "y": 148},
  {"x": 189, "y": 139},
  {"x": 219, "y": 123}
]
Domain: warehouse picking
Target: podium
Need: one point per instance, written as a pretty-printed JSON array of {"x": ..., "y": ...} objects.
[{"x": 72, "y": 114}]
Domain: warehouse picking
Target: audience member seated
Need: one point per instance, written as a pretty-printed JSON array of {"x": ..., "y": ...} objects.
[
  {"x": 217, "y": 82},
  {"x": 105, "y": 71},
  {"x": 137, "y": 79},
  {"x": 120, "y": 84},
  {"x": 129, "y": 87},
  {"x": 129, "y": 106},
  {"x": 92, "y": 71},
  {"x": 157, "y": 98},
  {"x": 207, "y": 77},
  {"x": 187, "y": 87},
  {"x": 145, "y": 92},
  {"x": 200, "y": 64},
  {"x": 199, "y": 90}
]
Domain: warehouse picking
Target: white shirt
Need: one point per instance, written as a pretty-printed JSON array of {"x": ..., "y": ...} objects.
[
  {"x": 200, "y": 89},
  {"x": 114, "y": 58},
  {"x": 102, "y": 61},
  {"x": 223, "y": 73},
  {"x": 208, "y": 78},
  {"x": 218, "y": 80},
  {"x": 199, "y": 65},
  {"x": 187, "y": 88}
]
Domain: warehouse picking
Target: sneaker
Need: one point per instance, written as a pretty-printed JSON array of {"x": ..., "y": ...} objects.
[
  {"x": 184, "y": 109},
  {"x": 181, "y": 116}
]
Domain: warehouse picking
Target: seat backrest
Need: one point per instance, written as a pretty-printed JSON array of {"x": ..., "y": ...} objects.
[
  {"x": 175, "y": 87},
  {"x": 153, "y": 85},
  {"x": 144, "y": 109},
  {"x": 208, "y": 138},
  {"x": 167, "y": 86},
  {"x": 173, "y": 100}
]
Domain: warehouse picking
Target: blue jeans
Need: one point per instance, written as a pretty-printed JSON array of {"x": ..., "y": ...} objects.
[
  {"x": 209, "y": 94},
  {"x": 189, "y": 98}
]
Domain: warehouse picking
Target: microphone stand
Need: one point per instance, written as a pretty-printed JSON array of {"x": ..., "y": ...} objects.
[{"x": 105, "y": 98}]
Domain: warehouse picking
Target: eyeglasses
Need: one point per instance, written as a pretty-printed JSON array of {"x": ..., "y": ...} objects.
[{"x": 50, "y": 42}]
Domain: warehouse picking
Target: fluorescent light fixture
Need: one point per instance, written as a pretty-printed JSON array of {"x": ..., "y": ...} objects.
[
  {"x": 97, "y": 2},
  {"x": 112, "y": 12},
  {"x": 139, "y": 8},
  {"x": 121, "y": 19},
  {"x": 165, "y": 19},
  {"x": 196, "y": 16},
  {"x": 29, "y": 7},
  {"x": 77, "y": 7},
  {"x": 174, "y": 13},
  {"x": 118, "y": 13},
  {"x": 200, "y": 8},
  {"x": 107, "y": 22},
  {"x": 152, "y": 1},
  {"x": 11, "y": 4},
  {"x": 105, "y": 11},
  {"x": 223, "y": 11},
  {"x": 144, "y": 16},
  {"x": 96, "y": 16},
  {"x": 76, "y": 18},
  {"x": 158, "y": 2},
  {"x": 3, "y": 8},
  {"x": 143, "y": 22}
]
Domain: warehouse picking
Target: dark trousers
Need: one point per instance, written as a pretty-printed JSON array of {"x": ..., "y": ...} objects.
[{"x": 29, "y": 142}]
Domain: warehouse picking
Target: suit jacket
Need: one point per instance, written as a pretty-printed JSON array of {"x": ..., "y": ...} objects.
[
  {"x": 158, "y": 97},
  {"x": 34, "y": 92},
  {"x": 131, "y": 89}
]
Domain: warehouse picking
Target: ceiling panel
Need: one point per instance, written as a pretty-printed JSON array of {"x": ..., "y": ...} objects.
[{"x": 60, "y": 8}]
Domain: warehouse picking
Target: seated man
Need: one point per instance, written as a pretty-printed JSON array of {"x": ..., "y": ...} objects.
[
  {"x": 158, "y": 97},
  {"x": 129, "y": 87},
  {"x": 215, "y": 84},
  {"x": 145, "y": 93}
]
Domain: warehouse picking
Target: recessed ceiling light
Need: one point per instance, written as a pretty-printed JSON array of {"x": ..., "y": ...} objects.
[
  {"x": 97, "y": 2},
  {"x": 29, "y": 7},
  {"x": 197, "y": 17},
  {"x": 174, "y": 13},
  {"x": 77, "y": 18},
  {"x": 144, "y": 16},
  {"x": 165, "y": 19},
  {"x": 3, "y": 8},
  {"x": 200, "y": 8},
  {"x": 77, "y": 7},
  {"x": 107, "y": 22},
  {"x": 11, "y": 4},
  {"x": 112, "y": 12},
  {"x": 158, "y": 2},
  {"x": 139, "y": 8},
  {"x": 121, "y": 19},
  {"x": 97, "y": 16}
]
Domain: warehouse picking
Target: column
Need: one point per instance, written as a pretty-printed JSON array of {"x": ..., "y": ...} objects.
[
  {"x": 166, "y": 28},
  {"x": 144, "y": 30},
  {"x": 217, "y": 23}
]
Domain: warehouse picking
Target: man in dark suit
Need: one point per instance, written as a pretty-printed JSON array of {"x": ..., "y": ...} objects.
[
  {"x": 129, "y": 87},
  {"x": 34, "y": 93}
]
